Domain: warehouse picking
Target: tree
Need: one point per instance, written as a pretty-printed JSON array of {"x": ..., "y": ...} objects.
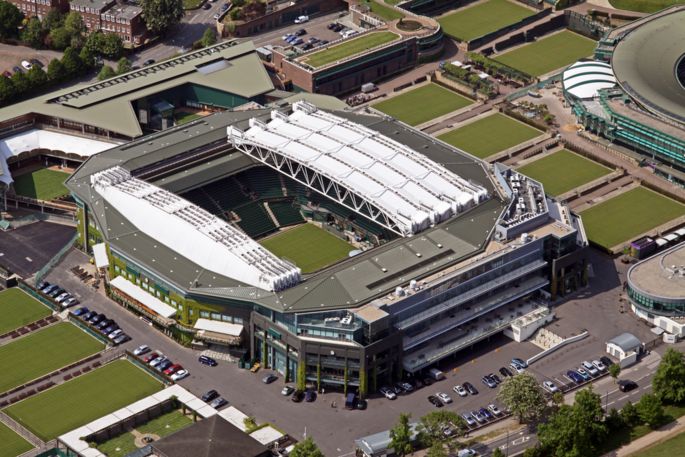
[
  {"x": 56, "y": 71},
  {"x": 72, "y": 62},
  {"x": 60, "y": 38},
  {"x": 209, "y": 37},
  {"x": 650, "y": 410},
  {"x": 400, "y": 436},
  {"x": 432, "y": 427},
  {"x": 630, "y": 415},
  {"x": 497, "y": 453},
  {"x": 106, "y": 72},
  {"x": 53, "y": 20},
  {"x": 123, "y": 65},
  {"x": 88, "y": 57},
  {"x": 614, "y": 371},
  {"x": 111, "y": 45},
  {"x": 37, "y": 77},
  {"x": 437, "y": 450},
  {"x": 33, "y": 33},
  {"x": 160, "y": 15},
  {"x": 10, "y": 19},
  {"x": 669, "y": 379},
  {"x": 523, "y": 396},
  {"x": 7, "y": 91},
  {"x": 20, "y": 82},
  {"x": 306, "y": 448},
  {"x": 74, "y": 24}
]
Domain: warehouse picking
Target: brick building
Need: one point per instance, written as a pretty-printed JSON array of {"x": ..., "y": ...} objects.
[
  {"x": 110, "y": 16},
  {"x": 91, "y": 10},
  {"x": 40, "y": 8}
]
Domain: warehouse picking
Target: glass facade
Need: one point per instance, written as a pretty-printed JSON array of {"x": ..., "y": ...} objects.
[{"x": 656, "y": 305}]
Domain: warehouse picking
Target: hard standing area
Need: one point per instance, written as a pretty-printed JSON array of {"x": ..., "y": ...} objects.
[
  {"x": 422, "y": 104},
  {"x": 485, "y": 17},
  {"x": 627, "y": 215},
  {"x": 84, "y": 399},
  {"x": 549, "y": 53},
  {"x": 490, "y": 135},
  {"x": 563, "y": 170},
  {"x": 17, "y": 308}
]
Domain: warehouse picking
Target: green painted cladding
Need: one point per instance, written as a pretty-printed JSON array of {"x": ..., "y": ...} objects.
[{"x": 212, "y": 97}]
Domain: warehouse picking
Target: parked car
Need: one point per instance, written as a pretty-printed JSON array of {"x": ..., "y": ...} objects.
[
  {"x": 225, "y": 7},
  {"x": 506, "y": 372},
  {"x": 97, "y": 319},
  {"x": 180, "y": 374},
  {"x": 148, "y": 62},
  {"x": 205, "y": 360},
  {"x": 486, "y": 413},
  {"x": 470, "y": 421},
  {"x": 26, "y": 64},
  {"x": 142, "y": 349},
  {"x": 164, "y": 365},
  {"x": 297, "y": 396},
  {"x": 467, "y": 453},
  {"x": 435, "y": 401},
  {"x": 495, "y": 378},
  {"x": 479, "y": 417},
  {"x": 300, "y": 32},
  {"x": 81, "y": 311},
  {"x": 361, "y": 404},
  {"x": 444, "y": 397},
  {"x": 172, "y": 369},
  {"x": 494, "y": 410},
  {"x": 331, "y": 26},
  {"x": 121, "y": 339},
  {"x": 427, "y": 381},
  {"x": 17, "y": 69},
  {"x": 606, "y": 361},
  {"x": 69, "y": 302},
  {"x": 49, "y": 288},
  {"x": 218, "y": 403},
  {"x": 61, "y": 297},
  {"x": 150, "y": 357},
  {"x": 519, "y": 362},
  {"x": 209, "y": 395},
  {"x": 309, "y": 395},
  {"x": 406, "y": 386},
  {"x": 7, "y": 74},
  {"x": 287, "y": 390},
  {"x": 115, "y": 334},
  {"x": 460, "y": 390},
  {"x": 207, "y": 6},
  {"x": 388, "y": 393},
  {"x": 348, "y": 33},
  {"x": 86, "y": 317},
  {"x": 157, "y": 361},
  {"x": 216, "y": 16},
  {"x": 268, "y": 379},
  {"x": 286, "y": 37},
  {"x": 489, "y": 382},
  {"x": 584, "y": 374},
  {"x": 574, "y": 376},
  {"x": 550, "y": 387},
  {"x": 297, "y": 42},
  {"x": 590, "y": 368},
  {"x": 103, "y": 324},
  {"x": 56, "y": 292},
  {"x": 517, "y": 368},
  {"x": 627, "y": 386},
  {"x": 109, "y": 329},
  {"x": 599, "y": 365},
  {"x": 470, "y": 388},
  {"x": 301, "y": 19}
]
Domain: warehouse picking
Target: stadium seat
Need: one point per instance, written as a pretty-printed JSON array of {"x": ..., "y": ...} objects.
[
  {"x": 285, "y": 213},
  {"x": 254, "y": 219}
]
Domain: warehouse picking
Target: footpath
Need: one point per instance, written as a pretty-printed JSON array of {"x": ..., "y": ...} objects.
[{"x": 657, "y": 436}]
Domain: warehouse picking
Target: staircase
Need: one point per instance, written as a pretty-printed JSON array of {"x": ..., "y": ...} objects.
[
  {"x": 545, "y": 339},
  {"x": 20, "y": 430},
  {"x": 271, "y": 215}
]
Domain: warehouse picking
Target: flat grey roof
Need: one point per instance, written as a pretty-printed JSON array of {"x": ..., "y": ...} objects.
[
  {"x": 660, "y": 275},
  {"x": 96, "y": 4},
  {"x": 644, "y": 63}
]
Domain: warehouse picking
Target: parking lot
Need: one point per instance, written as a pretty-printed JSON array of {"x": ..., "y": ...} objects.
[
  {"x": 27, "y": 249},
  {"x": 11, "y": 56}
]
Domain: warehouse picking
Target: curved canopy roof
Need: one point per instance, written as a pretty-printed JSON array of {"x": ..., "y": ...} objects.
[
  {"x": 584, "y": 79},
  {"x": 350, "y": 162}
]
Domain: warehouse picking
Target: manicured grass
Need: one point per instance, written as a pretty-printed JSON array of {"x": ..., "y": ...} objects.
[
  {"x": 184, "y": 117},
  {"x": 42, "y": 184},
  {"x": 162, "y": 426},
  {"x": 84, "y": 399},
  {"x": 384, "y": 12},
  {"x": 668, "y": 448},
  {"x": 644, "y": 6},
  {"x": 625, "y": 216},
  {"x": 490, "y": 135},
  {"x": 475, "y": 21},
  {"x": 17, "y": 308},
  {"x": 191, "y": 4},
  {"x": 44, "y": 351},
  {"x": 423, "y": 104},
  {"x": 349, "y": 48},
  {"x": 308, "y": 246},
  {"x": 12, "y": 444},
  {"x": 563, "y": 171},
  {"x": 547, "y": 54}
]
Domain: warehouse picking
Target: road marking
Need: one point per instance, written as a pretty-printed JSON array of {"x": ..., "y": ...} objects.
[
  {"x": 521, "y": 440},
  {"x": 29, "y": 259},
  {"x": 623, "y": 397},
  {"x": 611, "y": 403},
  {"x": 1, "y": 254},
  {"x": 647, "y": 387}
]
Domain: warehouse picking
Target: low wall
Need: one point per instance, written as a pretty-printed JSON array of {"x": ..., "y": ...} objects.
[
  {"x": 485, "y": 39},
  {"x": 565, "y": 342}
]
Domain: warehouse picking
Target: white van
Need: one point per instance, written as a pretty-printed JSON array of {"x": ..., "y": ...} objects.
[
  {"x": 436, "y": 374},
  {"x": 368, "y": 87}
]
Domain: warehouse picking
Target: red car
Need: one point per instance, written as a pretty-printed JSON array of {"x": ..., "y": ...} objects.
[
  {"x": 7, "y": 74},
  {"x": 173, "y": 369},
  {"x": 150, "y": 357}
]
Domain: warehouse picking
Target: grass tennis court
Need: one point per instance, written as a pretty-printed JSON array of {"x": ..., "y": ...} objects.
[
  {"x": 475, "y": 21},
  {"x": 42, "y": 184},
  {"x": 547, "y": 54},
  {"x": 490, "y": 135},
  {"x": 12, "y": 444},
  {"x": 17, "y": 308},
  {"x": 44, "y": 351},
  {"x": 423, "y": 104},
  {"x": 384, "y": 12},
  {"x": 349, "y": 48},
  {"x": 644, "y": 6},
  {"x": 563, "y": 171},
  {"x": 162, "y": 426},
  {"x": 308, "y": 246},
  {"x": 84, "y": 399},
  {"x": 626, "y": 216}
]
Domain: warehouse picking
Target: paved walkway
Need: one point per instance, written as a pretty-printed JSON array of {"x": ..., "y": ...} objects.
[{"x": 655, "y": 437}]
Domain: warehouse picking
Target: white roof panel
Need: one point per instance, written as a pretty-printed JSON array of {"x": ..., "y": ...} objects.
[
  {"x": 143, "y": 297},
  {"x": 225, "y": 328},
  {"x": 266, "y": 435},
  {"x": 100, "y": 254},
  {"x": 585, "y": 79},
  {"x": 235, "y": 417}
]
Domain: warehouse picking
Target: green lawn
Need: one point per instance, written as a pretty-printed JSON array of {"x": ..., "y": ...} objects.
[
  {"x": 668, "y": 448},
  {"x": 44, "y": 351},
  {"x": 184, "y": 117},
  {"x": 308, "y": 246},
  {"x": 423, "y": 104},
  {"x": 42, "y": 184},
  {"x": 547, "y": 54},
  {"x": 644, "y": 6},
  {"x": 162, "y": 426},
  {"x": 625, "y": 216},
  {"x": 84, "y": 399},
  {"x": 490, "y": 135},
  {"x": 563, "y": 171},
  {"x": 17, "y": 308},
  {"x": 349, "y": 48},
  {"x": 475, "y": 21},
  {"x": 384, "y": 12},
  {"x": 12, "y": 444}
]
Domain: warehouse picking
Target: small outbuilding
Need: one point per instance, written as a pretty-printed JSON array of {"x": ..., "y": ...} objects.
[{"x": 626, "y": 347}]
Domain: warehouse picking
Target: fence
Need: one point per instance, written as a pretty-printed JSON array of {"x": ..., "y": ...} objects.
[
  {"x": 41, "y": 298},
  {"x": 88, "y": 329},
  {"x": 40, "y": 274}
]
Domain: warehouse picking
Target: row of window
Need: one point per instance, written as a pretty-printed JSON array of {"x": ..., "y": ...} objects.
[
  {"x": 221, "y": 317},
  {"x": 655, "y": 305}
]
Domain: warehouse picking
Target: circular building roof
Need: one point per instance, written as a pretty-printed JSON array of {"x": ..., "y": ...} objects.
[
  {"x": 584, "y": 79},
  {"x": 648, "y": 61}
]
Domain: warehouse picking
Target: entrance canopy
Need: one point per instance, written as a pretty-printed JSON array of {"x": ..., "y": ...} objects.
[{"x": 148, "y": 300}]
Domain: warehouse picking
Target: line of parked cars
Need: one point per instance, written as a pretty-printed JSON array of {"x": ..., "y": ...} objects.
[
  {"x": 160, "y": 363},
  {"x": 103, "y": 325},
  {"x": 588, "y": 370},
  {"x": 59, "y": 295},
  {"x": 482, "y": 415},
  {"x": 344, "y": 32},
  {"x": 25, "y": 65},
  {"x": 214, "y": 400}
]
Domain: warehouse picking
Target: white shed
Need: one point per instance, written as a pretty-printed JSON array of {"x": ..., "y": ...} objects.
[{"x": 625, "y": 347}]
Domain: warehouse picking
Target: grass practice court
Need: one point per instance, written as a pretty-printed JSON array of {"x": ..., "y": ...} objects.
[
  {"x": 349, "y": 48},
  {"x": 563, "y": 171},
  {"x": 12, "y": 444},
  {"x": 42, "y": 184},
  {"x": 42, "y": 352},
  {"x": 549, "y": 53},
  {"x": 84, "y": 399},
  {"x": 475, "y": 21},
  {"x": 17, "y": 308},
  {"x": 162, "y": 426},
  {"x": 626, "y": 216},
  {"x": 423, "y": 104},
  {"x": 308, "y": 246},
  {"x": 490, "y": 135},
  {"x": 644, "y": 6}
]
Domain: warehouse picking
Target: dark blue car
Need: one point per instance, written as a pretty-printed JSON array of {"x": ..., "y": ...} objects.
[
  {"x": 82, "y": 310},
  {"x": 203, "y": 359},
  {"x": 574, "y": 376}
]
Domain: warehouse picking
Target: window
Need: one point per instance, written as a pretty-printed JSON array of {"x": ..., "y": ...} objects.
[
  {"x": 216, "y": 316},
  {"x": 190, "y": 312},
  {"x": 226, "y": 318},
  {"x": 117, "y": 269},
  {"x": 174, "y": 303},
  {"x": 238, "y": 320},
  {"x": 204, "y": 314}
]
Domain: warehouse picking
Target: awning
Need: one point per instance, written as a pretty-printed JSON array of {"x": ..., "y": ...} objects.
[
  {"x": 266, "y": 435},
  {"x": 224, "y": 328},
  {"x": 149, "y": 301},
  {"x": 100, "y": 253}
]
